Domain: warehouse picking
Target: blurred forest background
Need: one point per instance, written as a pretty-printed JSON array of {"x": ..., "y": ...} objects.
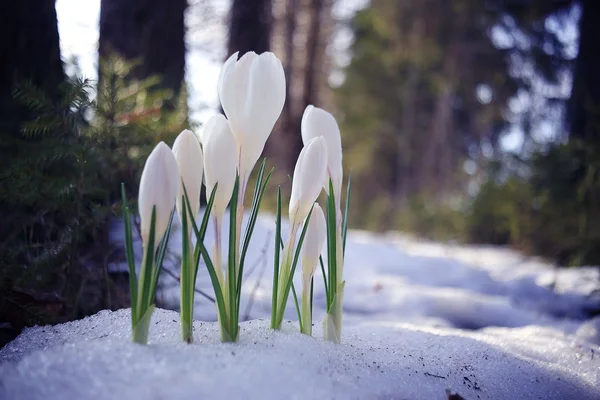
[{"x": 474, "y": 121}]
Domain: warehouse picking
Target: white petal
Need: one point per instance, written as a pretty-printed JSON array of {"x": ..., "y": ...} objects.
[
  {"x": 190, "y": 160},
  {"x": 242, "y": 79},
  {"x": 261, "y": 108},
  {"x": 307, "y": 182},
  {"x": 314, "y": 241},
  {"x": 220, "y": 162},
  {"x": 318, "y": 122},
  {"x": 158, "y": 188},
  {"x": 207, "y": 129},
  {"x": 266, "y": 96},
  {"x": 227, "y": 87},
  {"x": 237, "y": 87}
]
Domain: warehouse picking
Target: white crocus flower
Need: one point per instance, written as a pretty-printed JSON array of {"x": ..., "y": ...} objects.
[
  {"x": 252, "y": 93},
  {"x": 219, "y": 168},
  {"x": 219, "y": 162},
  {"x": 190, "y": 159},
  {"x": 318, "y": 122},
  {"x": 158, "y": 188},
  {"x": 307, "y": 183},
  {"x": 309, "y": 174}
]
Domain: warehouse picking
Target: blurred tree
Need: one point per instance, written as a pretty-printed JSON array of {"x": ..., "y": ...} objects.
[
  {"x": 149, "y": 32},
  {"x": 60, "y": 189},
  {"x": 425, "y": 90},
  {"x": 584, "y": 104},
  {"x": 250, "y": 26},
  {"x": 29, "y": 50},
  {"x": 538, "y": 37},
  {"x": 564, "y": 177},
  {"x": 298, "y": 32},
  {"x": 302, "y": 31}
]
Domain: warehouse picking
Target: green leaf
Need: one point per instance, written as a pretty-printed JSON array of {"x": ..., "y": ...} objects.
[
  {"x": 206, "y": 218},
  {"x": 160, "y": 256},
  {"x": 186, "y": 202},
  {"x": 295, "y": 261},
  {"x": 215, "y": 283},
  {"x": 231, "y": 261},
  {"x": 297, "y": 306},
  {"x": 331, "y": 243},
  {"x": 187, "y": 292},
  {"x": 255, "y": 196},
  {"x": 324, "y": 279},
  {"x": 312, "y": 286},
  {"x": 346, "y": 208},
  {"x": 276, "y": 260},
  {"x": 145, "y": 278},
  {"x": 142, "y": 327},
  {"x": 200, "y": 233},
  {"x": 129, "y": 253},
  {"x": 259, "y": 192}
]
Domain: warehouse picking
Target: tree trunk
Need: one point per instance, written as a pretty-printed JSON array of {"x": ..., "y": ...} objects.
[
  {"x": 305, "y": 70},
  {"x": 149, "y": 31},
  {"x": 29, "y": 50},
  {"x": 250, "y": 26},
  {"x": 312, "y": 55},
  {"x": 407, "y": 137},
  {"x": 289, "y": 120},
  {"x": 585, "y": 96}
]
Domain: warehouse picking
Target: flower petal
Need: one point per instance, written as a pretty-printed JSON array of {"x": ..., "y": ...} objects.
[
  {"x": 219, "y": 162},
  {"x": 227, "y": 87},
  {"x": 307, "y": 183},
  {"x": 318, "y": 122},
  {"x": 190, "y": 160},
  {"x": 158, "y": 188}
]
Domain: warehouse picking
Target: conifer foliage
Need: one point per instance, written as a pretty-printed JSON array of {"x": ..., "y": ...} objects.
[{"x": 59, "y": 181}]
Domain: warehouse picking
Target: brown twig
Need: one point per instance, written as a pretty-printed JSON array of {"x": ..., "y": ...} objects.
[
  {"x": 434, "y": 375},
  {"x": 178, "y": 279},
  {"x": 263, "y": 258}
]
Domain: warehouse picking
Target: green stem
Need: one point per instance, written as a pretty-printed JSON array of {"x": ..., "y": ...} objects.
[
  {"x": 187, "y": 294},
  {"x": 332, "y": 326},
  {"x": 306, "y": 308},
  {"x": 277, "y": 240},
  {"x": 284, "y": 277},
  {"x": 140, "y": 332},
  {"x": 140, "y": 307},
  {"x": 142, "y": 326},
  {"x": 239, "y": 217},
  {"x": 218, "y": 264}
]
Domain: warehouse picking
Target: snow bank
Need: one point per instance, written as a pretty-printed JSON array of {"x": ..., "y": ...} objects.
[
  {"x": 419, "y": 318},
  {"x": 94, "y": 359}
]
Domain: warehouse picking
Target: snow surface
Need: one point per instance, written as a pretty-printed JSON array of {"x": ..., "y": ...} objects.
[
  {"x": 94, "y": 359},
  {"x": 420, "y": 318}
]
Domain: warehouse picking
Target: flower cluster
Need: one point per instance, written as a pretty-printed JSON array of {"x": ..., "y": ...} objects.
[{"x": 252, "y": 94}]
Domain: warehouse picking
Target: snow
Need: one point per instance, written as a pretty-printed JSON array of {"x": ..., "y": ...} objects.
[
  {"x": 93, "y": 359},
  {"x": 420, "y": 318}
]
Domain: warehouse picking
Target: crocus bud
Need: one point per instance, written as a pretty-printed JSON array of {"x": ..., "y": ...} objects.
[
  {"x": 318, "y": 122},
  {"x": 158, "y": 187},
  {"x": 252, "y": 93},
  {"x": 219, "y": 162},
  {"x": 190, "y": 160},
  {"x": 312, "y": 247},
  {"x": 309, "y": 174}
]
